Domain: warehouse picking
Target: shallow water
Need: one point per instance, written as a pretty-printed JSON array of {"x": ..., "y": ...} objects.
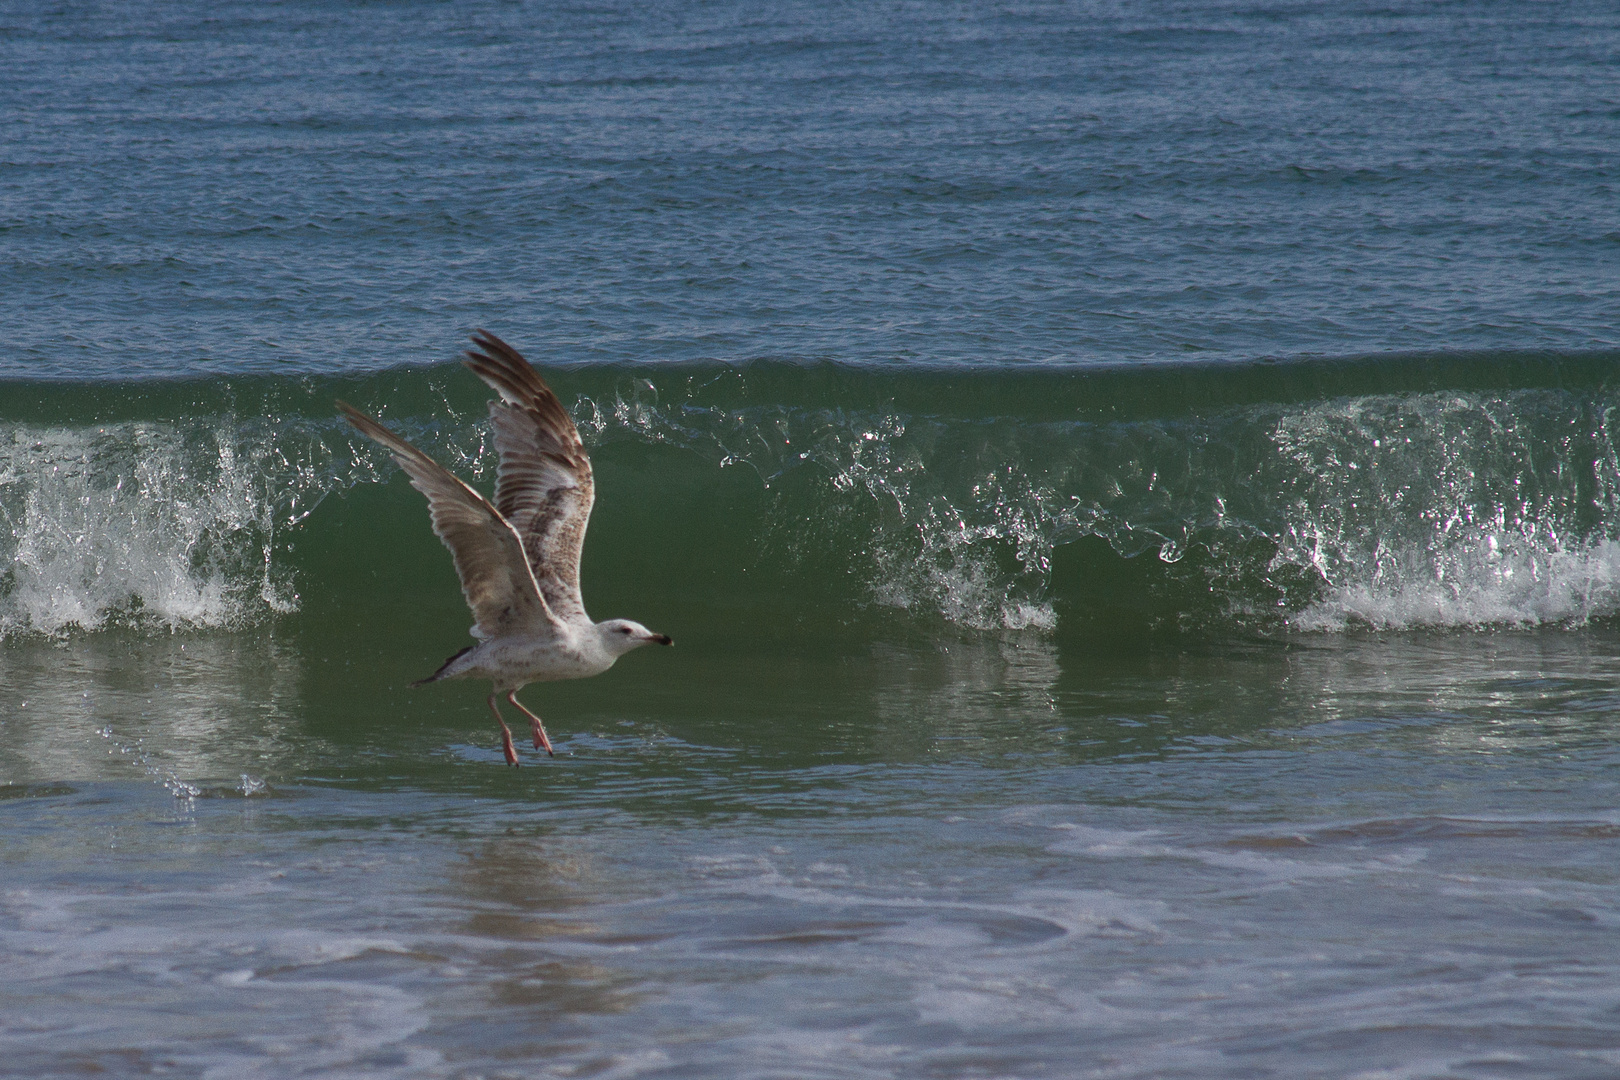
[
  {"x": 1135, "y": 490},
  {"x": 1368, "y": 856}
]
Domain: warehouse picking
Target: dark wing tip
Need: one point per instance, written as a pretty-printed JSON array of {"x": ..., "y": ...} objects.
[
  {"x": 492, "y": 351},
  {"x": 506, "y": 372},
  {"x": 486, "y": 340},
  {"x": 503, "y": 368},
  {"x": 359, "y": 419}
]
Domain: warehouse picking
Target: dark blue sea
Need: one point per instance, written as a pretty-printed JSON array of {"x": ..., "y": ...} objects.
[{"x": 1135, "y": 489}]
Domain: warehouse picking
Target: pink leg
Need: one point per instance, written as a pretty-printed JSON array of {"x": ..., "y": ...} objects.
[
  {"x": 506, "y": 734},
  {"x": 536, "y": 728}
]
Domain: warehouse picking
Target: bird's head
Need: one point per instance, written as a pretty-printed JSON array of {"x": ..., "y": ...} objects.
[{"x": 619, "y": 636}]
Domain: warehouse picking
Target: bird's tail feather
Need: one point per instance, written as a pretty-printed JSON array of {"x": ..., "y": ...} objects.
[{"x": 444, "y": 667}]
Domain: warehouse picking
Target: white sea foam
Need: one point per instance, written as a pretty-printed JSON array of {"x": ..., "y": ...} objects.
[
  {"x": 1443, "y": 510},
  {"x": 962, "y": 588},
  {"x": 162, "y": 523},
  {"x": 190, "y": 975},
  {"x": 1122, "y": 844},
  {"x": 1511, "y": 581},
  {"x": 949, "y": 554}
]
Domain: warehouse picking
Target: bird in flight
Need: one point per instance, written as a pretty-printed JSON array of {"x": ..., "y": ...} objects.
[{"x": 518, "y": 558}]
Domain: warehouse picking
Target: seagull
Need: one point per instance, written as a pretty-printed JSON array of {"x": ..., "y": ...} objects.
[{"x": 518, "y": 558}]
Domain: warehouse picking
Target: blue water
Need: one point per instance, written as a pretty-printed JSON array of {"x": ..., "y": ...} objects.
[
  {"x": 205, "y": 188},
  {"x": 1135, "y": 488}
]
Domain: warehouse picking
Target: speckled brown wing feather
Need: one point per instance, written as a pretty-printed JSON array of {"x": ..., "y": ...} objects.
[
  {"x": 495, "y": 575},
  {"x": 544, "y": 485}
]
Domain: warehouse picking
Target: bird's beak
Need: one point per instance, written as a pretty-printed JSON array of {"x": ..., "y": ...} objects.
[{"x": 663, "y": 639}]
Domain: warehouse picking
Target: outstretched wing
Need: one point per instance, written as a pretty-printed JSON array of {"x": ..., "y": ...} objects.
[
  {"x": 543, "y": 486},
  {"x": 494, "y": 574}
]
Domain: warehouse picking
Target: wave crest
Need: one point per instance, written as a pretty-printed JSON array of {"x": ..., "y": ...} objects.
[{"x": 840, "y": 491}]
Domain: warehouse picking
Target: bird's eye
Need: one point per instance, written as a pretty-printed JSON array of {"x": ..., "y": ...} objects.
[{"x": 624, "y": 629}]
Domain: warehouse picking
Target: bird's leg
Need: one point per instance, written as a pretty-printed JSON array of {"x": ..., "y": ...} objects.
[
  {"x": 506, "y": 733},
  {"x": 535, "y": 726}
]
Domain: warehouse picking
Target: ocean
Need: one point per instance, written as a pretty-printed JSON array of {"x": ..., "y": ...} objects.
[{"x": 1135, "y": 490}]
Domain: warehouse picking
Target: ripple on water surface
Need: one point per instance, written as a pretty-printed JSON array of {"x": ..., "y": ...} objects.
[{"x": 1358, "y": 857}]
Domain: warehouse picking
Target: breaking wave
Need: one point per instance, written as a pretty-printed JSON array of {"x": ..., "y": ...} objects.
[
  {"x": 169, "y": 524},
  {"x": 1313, "y": 496}
]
